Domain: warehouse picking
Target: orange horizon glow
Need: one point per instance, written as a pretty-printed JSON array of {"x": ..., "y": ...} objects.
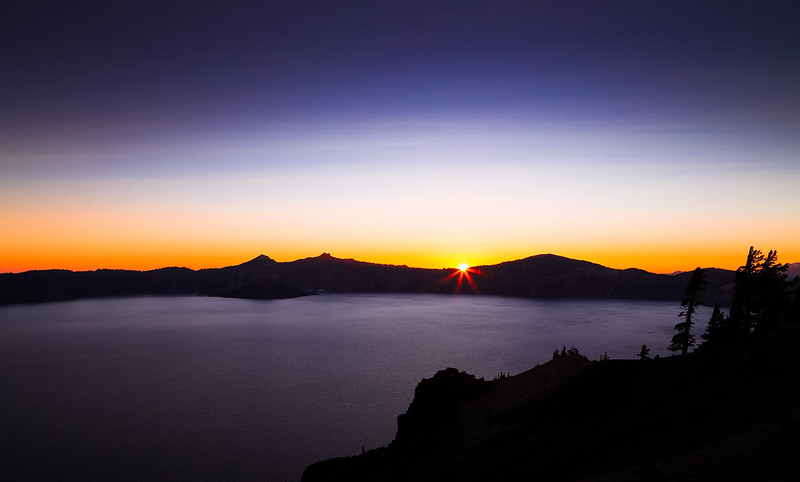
[
  {"x": 95, "y": 257},
  {"x": 618, "y": 214}
]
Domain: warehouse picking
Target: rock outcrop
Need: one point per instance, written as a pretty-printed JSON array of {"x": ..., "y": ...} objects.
[{"x": 723, "y": 414}]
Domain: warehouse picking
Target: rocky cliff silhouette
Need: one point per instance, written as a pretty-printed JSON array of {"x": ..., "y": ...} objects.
[
  {"x": 725, "y": 414},
  {"x": 541, "y": 276}
]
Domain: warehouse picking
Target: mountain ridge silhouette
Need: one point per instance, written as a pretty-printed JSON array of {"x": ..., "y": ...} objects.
[{"x": 538, "y": 276}]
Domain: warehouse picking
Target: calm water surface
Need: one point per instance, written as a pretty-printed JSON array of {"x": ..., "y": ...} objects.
[{"x": 165, "y": 388}]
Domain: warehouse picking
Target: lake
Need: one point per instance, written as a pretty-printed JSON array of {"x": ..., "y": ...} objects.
[{"x": 164, "y": 388}]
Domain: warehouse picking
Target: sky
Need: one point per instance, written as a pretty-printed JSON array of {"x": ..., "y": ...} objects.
[{"x": 143, "y": 134}]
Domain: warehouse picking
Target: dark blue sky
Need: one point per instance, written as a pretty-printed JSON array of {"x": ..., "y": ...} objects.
[
  {"x": 586, "y": 128},
  {"x": 236, "y": 62}
]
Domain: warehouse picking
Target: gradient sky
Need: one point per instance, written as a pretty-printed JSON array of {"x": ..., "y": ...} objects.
[{"x": 658, "y": 135}]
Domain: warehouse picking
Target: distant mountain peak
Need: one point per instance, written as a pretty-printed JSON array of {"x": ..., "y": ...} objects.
[
  {"x": 330, "y": 257},
  {"x": 261, "y": 259},
  {"x": 554, "y": 260}
]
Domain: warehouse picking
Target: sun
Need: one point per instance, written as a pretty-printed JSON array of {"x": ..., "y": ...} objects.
[{"x": 463, "y": 267}]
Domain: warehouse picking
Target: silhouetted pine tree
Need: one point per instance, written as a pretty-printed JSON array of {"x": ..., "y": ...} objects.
[
  {"x": 740, "y": 321},
  {"x": 761, "y": 298},
  {"x": 714, "y": 331},
  {"x": 772, "y": 290},
  {"x": 691, "y": 300},
  {"x": 644, "y": 353},
  {"x": 794, "y": 308}
]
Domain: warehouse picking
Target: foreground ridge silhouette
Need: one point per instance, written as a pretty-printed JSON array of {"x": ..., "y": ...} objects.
[{"x": 722, "y": 413}]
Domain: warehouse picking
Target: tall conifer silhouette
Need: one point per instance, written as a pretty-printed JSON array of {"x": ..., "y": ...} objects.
[{"x": 691, "y": 300}]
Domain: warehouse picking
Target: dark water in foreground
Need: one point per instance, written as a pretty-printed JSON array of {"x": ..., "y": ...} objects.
[{"x": 163, "y": 388}]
